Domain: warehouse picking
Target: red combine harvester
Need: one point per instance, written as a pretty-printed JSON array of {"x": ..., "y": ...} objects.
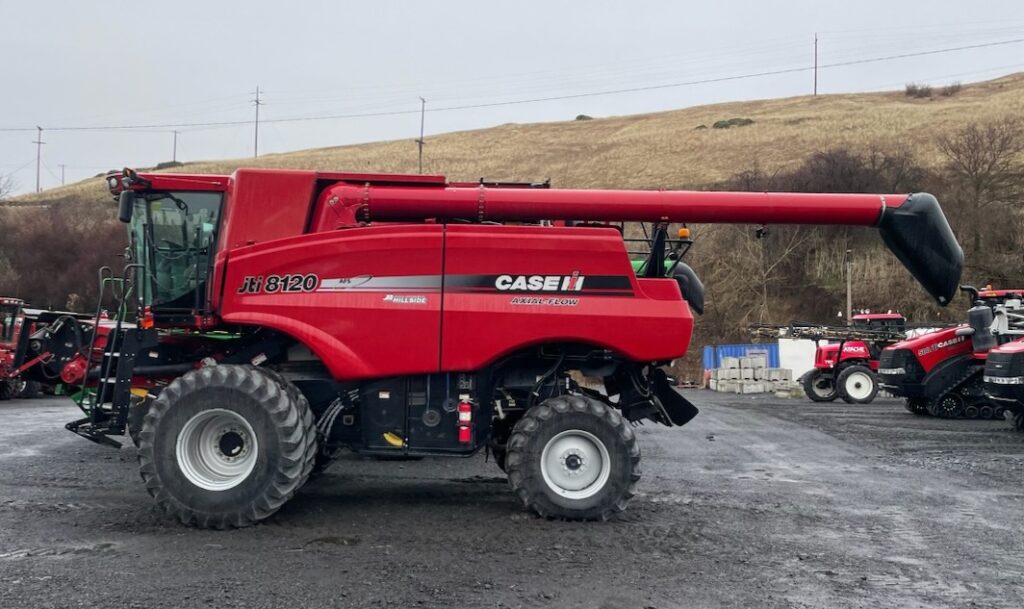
[
  {"x": 1004, "y": 379},
  {"x": 941, "y": 373},
  {"x": 284, "y": 315}
]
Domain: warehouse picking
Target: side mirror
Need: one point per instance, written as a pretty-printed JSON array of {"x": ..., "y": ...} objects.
[{"x": 125, "y": 202}]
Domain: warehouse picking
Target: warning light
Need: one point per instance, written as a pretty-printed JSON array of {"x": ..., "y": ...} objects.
[{"x": 684, "y": 233}]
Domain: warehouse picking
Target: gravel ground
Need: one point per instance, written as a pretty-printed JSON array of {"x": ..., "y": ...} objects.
[{"x": 757, "y": 503}]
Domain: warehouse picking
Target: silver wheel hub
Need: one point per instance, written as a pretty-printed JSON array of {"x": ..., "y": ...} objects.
[
  {"x": 217, "y": 449},
  {"x": 575, "y": 464}
]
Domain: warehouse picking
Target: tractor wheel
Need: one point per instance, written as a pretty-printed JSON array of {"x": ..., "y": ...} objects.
[
  {"x": 818, "y": 387},
  {"x": 857, "y": 385},
  {"x": 226, "y": 446},
  {"x": 972, "y": 411},
  {"x": 1018, "y": 421},
  {"x": 6, "y": 390},
  {"x": 573, "y": 457},
  {"x": 949, "y": 406},
  {"x": 987, "y": 412},
  {"x": 917, "y": 406},
  {"x": 29, "y": 390}
]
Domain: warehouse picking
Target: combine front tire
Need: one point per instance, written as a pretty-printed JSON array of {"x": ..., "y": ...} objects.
[
  {"x": 226, "y": 446},
  {"x": 7, "y": 390},
  {"x": 819, "y": 387},
  {"x": 573, "y": 457},
  {"x": 857, "y": 385}
]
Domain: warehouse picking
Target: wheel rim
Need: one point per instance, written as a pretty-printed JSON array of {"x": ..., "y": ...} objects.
[
  {"x": 859, "y": 385},
  {"x": 575, "y": 464},
  {"x": 822, "y": 387},
  {"x": 950, "y": 405},
  {"x": 217, "y": 449}
]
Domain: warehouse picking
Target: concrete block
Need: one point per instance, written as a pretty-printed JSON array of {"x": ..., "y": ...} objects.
[
  {"x": 713, "y": 384},
  {"x": 731, "y": 374},
  {"x": 727, "y": 386},
  {"x": 747, "y": 374},
  {"x": 759, "y": 374},
  {"x": 730, "y": 362},
  {"x": 753, "y": 387},
  {"x": 756, "y": 361}
]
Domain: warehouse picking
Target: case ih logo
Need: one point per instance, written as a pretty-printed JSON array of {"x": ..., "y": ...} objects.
[
  {"x": 941, "y": 345},
  {"x": 540, "y": 283}
]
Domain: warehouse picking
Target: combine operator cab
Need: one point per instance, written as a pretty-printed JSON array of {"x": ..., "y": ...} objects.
[
  {"x": 271, "y": 318},
  {"x": 941, "y": 373}
]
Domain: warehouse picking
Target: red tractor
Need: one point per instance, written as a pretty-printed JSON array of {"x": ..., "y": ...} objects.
[
  {"x": 13, "y": 323},
  {"x": 940, "y": 373},
  {"x": 847, "y": 368},
  {"x": 281, "y": 316}
]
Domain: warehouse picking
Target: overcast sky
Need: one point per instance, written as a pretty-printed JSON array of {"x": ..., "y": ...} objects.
[{"x": 106, "y": 64}]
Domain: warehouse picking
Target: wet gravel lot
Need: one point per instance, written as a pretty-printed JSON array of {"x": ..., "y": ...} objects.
[{"x": 760, "y": 502}]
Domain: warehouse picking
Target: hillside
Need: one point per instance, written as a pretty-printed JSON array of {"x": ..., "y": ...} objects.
[{"x": 665, "y": 149}]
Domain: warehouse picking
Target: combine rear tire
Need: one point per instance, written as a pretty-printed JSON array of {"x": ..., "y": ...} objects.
[
  {"x": 573, "y": 457},
  {"x": 225, "y": 446},
  {"x": 857, "y": 385},
  {"x": 818, "y": 387},
  {"x": 6, "y": 390},
  {"x": 1018, "y": 421}
]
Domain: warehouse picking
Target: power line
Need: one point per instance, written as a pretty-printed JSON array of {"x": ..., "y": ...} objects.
[{"x": 513, "y": 102}]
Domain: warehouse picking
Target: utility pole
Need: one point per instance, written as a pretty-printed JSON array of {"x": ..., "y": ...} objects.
[
  {"x": 62, "y": 166},
  {"x": 174, "y": 150},
  {"x": 849, "y": 287},
  {"x": 39, "y": 154},
  {"x": 256, "y": 138},
  {"x": 815, "y": 64},
  {"x": 423, "y": 111}
]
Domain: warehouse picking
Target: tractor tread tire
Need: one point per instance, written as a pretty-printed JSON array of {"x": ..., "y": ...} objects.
[
  {"x": 846, "y": 374},
  {"x": 917, "y": 406},
  {"x": 287, "y": 449},
  {"x": 552, "y": 416},
  {"x": 31, "y": 390},
  {"x": 808, "y": 385}
]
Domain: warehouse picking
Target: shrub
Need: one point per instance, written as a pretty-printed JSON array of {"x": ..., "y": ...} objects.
[
  {"x": 951, "y": 89},
  {"x": 584, "y": 117},
  {"x": 918, "y": 91},
  {"x": 732, "y": 122}
]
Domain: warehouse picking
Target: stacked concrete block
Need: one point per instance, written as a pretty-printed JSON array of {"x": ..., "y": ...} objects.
[{"x": 750, "y": 374}]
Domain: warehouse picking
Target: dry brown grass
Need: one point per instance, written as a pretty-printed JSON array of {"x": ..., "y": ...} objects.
[{"x": 664, "y": 149}]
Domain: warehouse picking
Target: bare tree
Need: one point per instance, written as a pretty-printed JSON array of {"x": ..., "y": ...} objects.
[
  {"x": 6, "y": 187},
  {"x": 987, "y": 159}
]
